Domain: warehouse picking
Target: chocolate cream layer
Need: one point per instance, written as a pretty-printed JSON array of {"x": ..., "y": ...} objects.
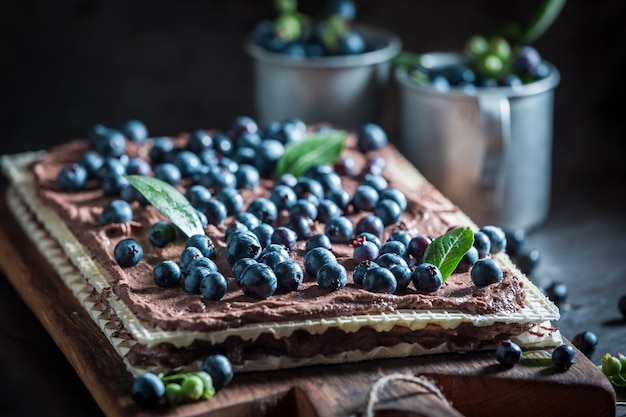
[{"x": 428, "y": 213}]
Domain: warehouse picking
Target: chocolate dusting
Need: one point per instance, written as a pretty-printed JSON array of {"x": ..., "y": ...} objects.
[{"x": 428, "y": 213}]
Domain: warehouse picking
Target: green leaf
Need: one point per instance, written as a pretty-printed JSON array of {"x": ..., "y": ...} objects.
[
  {"x": 317, "y": 148},
  {"x": 170, "y": 202},
  {"x": 446, "y": 251},
  {"x": 546, "y": 15}
]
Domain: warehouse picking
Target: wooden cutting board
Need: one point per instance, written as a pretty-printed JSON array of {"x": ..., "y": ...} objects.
[{"x": 475, "y": 384}]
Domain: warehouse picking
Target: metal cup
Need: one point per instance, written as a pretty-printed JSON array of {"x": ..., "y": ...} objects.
[
  {"x": 345, "y": 90},
  {"x": 487, "y": 149}
]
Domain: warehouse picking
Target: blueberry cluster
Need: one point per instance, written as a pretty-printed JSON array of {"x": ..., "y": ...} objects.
[
  {"x": 150, "y": 389},
  {"x": 488, "y": 63},
  {"x": 391, "y": 266},
  {"x": 298, "y": 35}
]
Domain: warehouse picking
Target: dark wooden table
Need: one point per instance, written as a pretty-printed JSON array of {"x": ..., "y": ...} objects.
[{"x": 581, "y": 244}]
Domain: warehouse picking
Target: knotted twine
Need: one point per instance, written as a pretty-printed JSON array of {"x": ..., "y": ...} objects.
[{"x": 419, "y": 380}]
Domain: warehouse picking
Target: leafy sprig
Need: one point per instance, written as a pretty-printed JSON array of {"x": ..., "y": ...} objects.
[
  {"x": 447, "y": 250},
  {"x": 170, "y": 203},
  {"x": 318, "y": 148}
]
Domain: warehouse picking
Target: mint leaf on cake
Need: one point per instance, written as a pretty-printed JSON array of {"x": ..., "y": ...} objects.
[
  {"x": 170, "y": 203},
  {"x": 446, "y": 251},
  {"x": 318, "y": 148}
]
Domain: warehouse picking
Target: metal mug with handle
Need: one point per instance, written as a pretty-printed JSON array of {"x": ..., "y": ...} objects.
[{"x": 487, "y": 149}]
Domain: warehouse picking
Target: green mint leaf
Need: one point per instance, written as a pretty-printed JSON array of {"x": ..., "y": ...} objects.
[
  {"x": 446, "y": 251},
  {"x": 546, "y": 15},
  {"x": 317, "y": 148},
  {"x": 170, "y": 203}
]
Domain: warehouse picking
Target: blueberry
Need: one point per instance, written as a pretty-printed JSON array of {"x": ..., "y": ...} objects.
[
  {"x": 217, "y": 178},
  {"x": 111, "y": 166},
  {"x": 371, "y": 137},
  {"x": 232, "y": 200},
  {"x": 168, "y": 172},
  {"x": 248, "y": 139},
  {"x": 264, "y": 209},
  {"x": 307, "y": 185},
  {"x": 117, "y": 211},
  {"x": 326, "y": 210},
  {"x": 287, "y": 179},
  {"x": 128, "y": 252},
  {"x": 203, "y": 243},
  {"x": 401, "y": 236},
  {"x": 586, "y": 342},
  {"x": 112, "y": 144},
  {"x": 240, "y": 266},
  {"x": 346, "y": 9},
  {"x": 161, "y": 148},
  {"x": 223, "y": 144},
  {"x": 72, "y": 177},
  {"x": 403, "y": 276},
  {"x": 329, "y": 180},
  {"x": 346, "y": 166},
  {"x": 188, "y": 163},
  {"x": 482, "y": 244},
  {"x": 468, "y": 260},
  {"x": 361, "y": 269},
  {"x": 197, "y": 194},
  {"x": 486, "y": 271},
  {"x": 247, "y": 176},
  {"x": 201, "y": 262},
  {"x": 527, "y": 60},
  {"x": 195, "y": 275},
  {"x": 258, "y": 281},
  {"x": 213, "y": 286},
  {"x": 189, "y": 254},
  {"x": 340, "y": 197},
  {"x": 386, "y": 260},
  {"x": 351, "y": 43},
  {"x": 371, "y": 224},
  {"x": 243, "y": 124},
  {"x": 557, "y": 292},
  {"x": 339, "y": 229},
  {"x": 380, "y": 280},
  {"x": 318, "y": 240},
  {"x": 215, "y": 211},
  {"x": 91, "y": 161},
  {"x": 275, "y": 247},
  {"x": 427, "y": 277},
  {"x": 283, "y": 196},
  {"x": 96, "y": 132},
  {"x": 375, "y": 165},
  {"x": 264, "y": 233},
  {"x": 199, "y": 141},
  {"x": 166, "y": 274},
  {"x": 148, "y": 389},
  {"x": 289, "y": 275},
  {"x": 332, "y": 276},
  {"x": 267, "y": 155},
  {"x": 394, "y": 246},
  {"x": 376, "y": 181},
  {"x": 161, "y": 233},
  {"x": 247, "y": 219},
  {"x": 316, "y": 258},
  {"x": 285, "y": 236},
  {"x": 369, "y": 236},
  {"x": 508, "y": 353},
  {"x": 135, "y": 131},
  {"x": 301, "y": 225},
  {"x": 563, "y": 357},
  {"x": 220, "y": 369},
  {"x": 244, "y": 155},
  {"x": 272, "y": 259},
  {"x": 417, "y": 246},
  {"x": 365, "y": 198},
  {"x": 303, "y": 208},
  {"x": 496, "y": 236},
  {"x": 527, "y": 260},
  {"x": 242, "y": 245},
  {"x": 364, "y": 250},
  {"x": 138, "y": 166},
  {"x": 113, "y": 185}
]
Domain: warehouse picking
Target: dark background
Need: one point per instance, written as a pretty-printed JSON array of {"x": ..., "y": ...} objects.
[{"x": 180, "y": 65}]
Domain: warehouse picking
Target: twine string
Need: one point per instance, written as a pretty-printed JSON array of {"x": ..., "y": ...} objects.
[{"x": 419, "y": 380}]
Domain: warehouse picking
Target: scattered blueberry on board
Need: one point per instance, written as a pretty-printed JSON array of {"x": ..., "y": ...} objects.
[{"x": 508, "y": 353}]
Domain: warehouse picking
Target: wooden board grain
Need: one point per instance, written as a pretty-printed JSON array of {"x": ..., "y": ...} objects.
[{"x": 475, "y": 384}]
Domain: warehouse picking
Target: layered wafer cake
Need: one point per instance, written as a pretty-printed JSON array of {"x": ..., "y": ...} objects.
[{"x": 161, "y": 327}]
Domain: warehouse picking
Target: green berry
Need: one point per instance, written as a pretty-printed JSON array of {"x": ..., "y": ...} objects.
[
  {"x": 287, "y": 27},
  {"x": 611, "y": 365},
  {"x": 490, "y": 65},
  {"x": 285, "y": 6},
  {"x": 193, "y": 388},
  {"x": 476, "y": 46},
  {"x": 174, "y": 393},
  {"x": 207, "y": 383},
  {"x": 500, "y": 47}
]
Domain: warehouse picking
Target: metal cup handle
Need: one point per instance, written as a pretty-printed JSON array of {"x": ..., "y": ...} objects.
[{"x": 495, "y": 114}]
